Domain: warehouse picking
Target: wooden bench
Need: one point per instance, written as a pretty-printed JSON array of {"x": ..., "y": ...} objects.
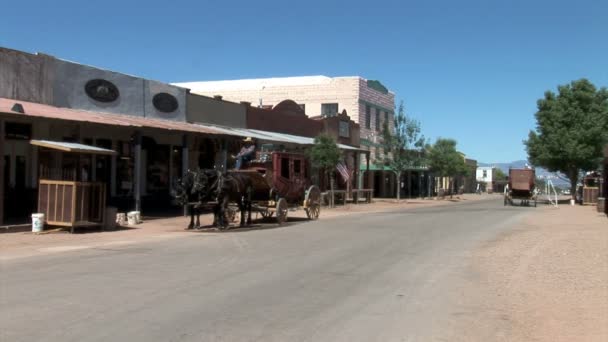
[{"x": 358, "y": 194}]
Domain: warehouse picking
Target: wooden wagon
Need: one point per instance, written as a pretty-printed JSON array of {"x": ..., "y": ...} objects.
[
  {"x": 281, "y": 182},
  {"x": 521, "y": 187}
]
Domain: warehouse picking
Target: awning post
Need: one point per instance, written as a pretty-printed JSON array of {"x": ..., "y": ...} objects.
[
  {"x": 2, "y": 175},
  {"x": 185, "y": 163},
  {"x": 137, "y": 171}
]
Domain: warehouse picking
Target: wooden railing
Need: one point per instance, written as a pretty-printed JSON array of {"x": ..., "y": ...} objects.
[{"x": 357, "y": 196}]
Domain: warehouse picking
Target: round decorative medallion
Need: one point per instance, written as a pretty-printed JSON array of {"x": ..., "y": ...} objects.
[
  {"x": 101, "y": 90},
  {"x": 165, "y": 103}
]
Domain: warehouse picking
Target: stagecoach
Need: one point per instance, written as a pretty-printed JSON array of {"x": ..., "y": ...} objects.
[
  {"x": 280, "y": 181},
  {"x": 521, "y": 187}
]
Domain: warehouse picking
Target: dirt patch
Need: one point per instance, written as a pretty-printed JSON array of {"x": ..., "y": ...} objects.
[{"x": 547, "y": 280}]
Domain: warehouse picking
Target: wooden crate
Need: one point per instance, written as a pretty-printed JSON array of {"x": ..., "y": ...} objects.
[{"x": 71, "y": 204}]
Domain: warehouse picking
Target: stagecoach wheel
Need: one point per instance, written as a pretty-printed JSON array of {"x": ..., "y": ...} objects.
[
  {"x": 313, "y": 211},
  {"x": 266, "y": 213},
  {"x": 313, "y": 202},
  {"x": 230, "y": 215},
  {"x": 282, "y": 209}
]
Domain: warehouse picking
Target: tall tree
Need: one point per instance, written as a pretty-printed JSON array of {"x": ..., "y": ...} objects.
[
  {"x": 403, "y": 146},
  {"x": 325, "y": 155},
  {"x": 498, "y": 174},
  {"x": 571, "y": 130},
  {"x": 444, "y": 160}
]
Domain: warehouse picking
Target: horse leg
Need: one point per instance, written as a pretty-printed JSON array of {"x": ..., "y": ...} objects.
[
  {"x": 222, "y": 214},
  {"x": 215, "y": 216},
  {"x": 191, "y": 225},
  {"x": 198, "y": 218},
  {"x": 248, "y": 212},
  {"x": 242, "y": 210}
]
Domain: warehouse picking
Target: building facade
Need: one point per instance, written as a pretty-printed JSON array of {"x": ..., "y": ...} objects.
[
  {"x": 156, "y": 130},
  {"x": 485, "y": 174},
  {"x": 368, "y": 103}
]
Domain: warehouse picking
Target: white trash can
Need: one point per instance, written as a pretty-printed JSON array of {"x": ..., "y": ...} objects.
[
  {"x": 37, "y": 223},
  {"x": 132, "y": 218},
  {"x": 121, "y": 219}
]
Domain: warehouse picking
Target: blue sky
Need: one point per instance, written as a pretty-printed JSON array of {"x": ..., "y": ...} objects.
[{"x": 469, "y": 70}]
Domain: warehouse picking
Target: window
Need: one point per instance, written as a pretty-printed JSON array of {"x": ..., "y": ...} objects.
[
  {"x": 485, "y": 173},
  {"x": 329, "y": 109},
  {"x": 368, "y": 117},
  {"x": 285, "y": 168},
  {"x": 101, "y": 90},
  {"x": 165, "y": 102},
  {"x": 377, "y": 119},
  {"x": 297, "y": 167},
  {"x": 344, "y": 129}
]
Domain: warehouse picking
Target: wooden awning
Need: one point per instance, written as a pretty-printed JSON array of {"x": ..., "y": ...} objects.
[{"x": 72, "y": 147}]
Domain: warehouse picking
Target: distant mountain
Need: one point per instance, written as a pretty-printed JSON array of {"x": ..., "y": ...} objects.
[{"x": 518, "y": 164}]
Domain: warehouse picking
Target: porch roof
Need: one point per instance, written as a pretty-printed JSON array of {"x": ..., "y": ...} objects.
[
  {"x": 37, "y": 110},
  {"x": 274, "y": 136},
  {"x": 71, "y": 147}
]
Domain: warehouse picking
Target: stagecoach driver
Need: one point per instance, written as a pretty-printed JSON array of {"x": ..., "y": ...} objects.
[{"x": 246, "y": 154}]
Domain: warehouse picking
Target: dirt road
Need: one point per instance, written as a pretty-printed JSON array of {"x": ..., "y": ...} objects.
[{"x": 545, "y": 280}]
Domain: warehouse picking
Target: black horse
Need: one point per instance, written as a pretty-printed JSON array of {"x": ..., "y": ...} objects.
[
  {"x": 187, "y": 194},
  {"x": 233, "y": 187},
  {"x": 205, "y": 186}
]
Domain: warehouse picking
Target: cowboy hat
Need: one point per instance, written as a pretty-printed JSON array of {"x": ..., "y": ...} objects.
[{"x": 248, "y": 139}]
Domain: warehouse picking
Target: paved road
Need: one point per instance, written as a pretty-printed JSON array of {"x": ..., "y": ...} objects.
[{"x": 379, "y": 277}]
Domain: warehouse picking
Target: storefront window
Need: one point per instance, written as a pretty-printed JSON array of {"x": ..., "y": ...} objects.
[{"x": 157, "y": 169}]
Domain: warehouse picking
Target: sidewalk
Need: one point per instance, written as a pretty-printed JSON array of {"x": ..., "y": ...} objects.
[
  {"x": 547, "y": 280},
  {"x": 25, "y": 244}
]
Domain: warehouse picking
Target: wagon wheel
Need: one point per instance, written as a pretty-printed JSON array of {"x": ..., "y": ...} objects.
[
  {"x": 313, "y": 202},
  {"x": 233, "y": 214},
  {"x": 281, "y": 211},
  {"x": 266, "y": 213}
]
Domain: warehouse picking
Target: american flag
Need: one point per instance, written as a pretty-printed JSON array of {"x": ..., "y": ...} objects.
[{"x": 343, "y": 171}]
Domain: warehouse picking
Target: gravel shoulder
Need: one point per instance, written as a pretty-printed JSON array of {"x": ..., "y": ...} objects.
[{"x": 545, "y": 280}]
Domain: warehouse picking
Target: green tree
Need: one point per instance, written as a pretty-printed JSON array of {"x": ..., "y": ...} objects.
[
  {"x": 403, "y": 146},
  {"x": 571, "y": 130},
  {"x": 325, "y": 155},
  {"x": 498, "y": 174},
  {"x": 444, "y": 160}
]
